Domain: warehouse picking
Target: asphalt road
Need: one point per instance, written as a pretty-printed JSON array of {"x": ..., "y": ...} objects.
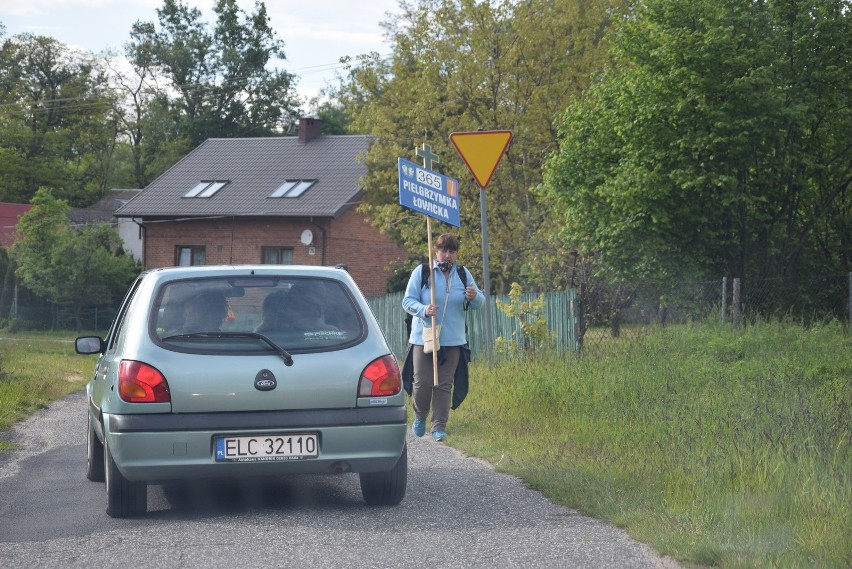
[{"x": 458, "y": 512}]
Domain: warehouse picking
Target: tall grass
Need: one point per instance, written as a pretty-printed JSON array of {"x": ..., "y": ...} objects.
[
  {"x": 718, "y": 448},
  {"x": 35, "y": 369}
]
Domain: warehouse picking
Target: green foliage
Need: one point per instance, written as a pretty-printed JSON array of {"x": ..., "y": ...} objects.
[
  {"x": 225, "y": 82},
  {"x": 715, "y": 447},
  {"x": 534, "y": 333},
  {"x": 400, "y": 273},
  {"x": 717, "y": 145},
  {"x": 83, "y": 268},
  {"x": 463, "y": 66},
  {"x": 335, "y": 119},
  {"x": 57, "y": 119}
]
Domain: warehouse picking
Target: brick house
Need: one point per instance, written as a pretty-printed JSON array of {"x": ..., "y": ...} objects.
[{"x": 284, "y": 200}]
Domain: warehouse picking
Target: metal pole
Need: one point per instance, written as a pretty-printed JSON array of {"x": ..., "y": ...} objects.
[
  {"x": 724, "y": 298},
  {"x": 486, "y": 277}
]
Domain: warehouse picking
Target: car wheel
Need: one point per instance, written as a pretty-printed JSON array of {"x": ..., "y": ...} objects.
[
  {"x": 94, "y": 454},
  {"x": 124, "y": 498},
  {"x": 386, "y": 488}
]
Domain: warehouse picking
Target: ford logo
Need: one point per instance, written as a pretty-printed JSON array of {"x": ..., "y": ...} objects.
[{"x": 265, "y": 380}]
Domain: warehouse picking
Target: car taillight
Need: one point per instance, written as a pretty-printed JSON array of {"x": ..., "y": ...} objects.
[
  {"x": 140, "y": 383},
  {"x": 380, "y": 379}
]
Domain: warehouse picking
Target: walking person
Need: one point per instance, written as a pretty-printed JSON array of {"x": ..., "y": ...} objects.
[{"x": 455, "y": 292}]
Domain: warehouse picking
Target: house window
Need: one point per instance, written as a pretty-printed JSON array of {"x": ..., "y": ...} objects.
[
  {"x": 292, "y": 188},
  {"x": 205, "y": 189},
  {"x": 276, "y": 255},
  {"x": 189, "y": 255}
]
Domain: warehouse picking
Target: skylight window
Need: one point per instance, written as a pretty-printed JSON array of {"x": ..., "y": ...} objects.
[
  {"x": 205, "y": 189},
  {"x": 292, "y": 188}
]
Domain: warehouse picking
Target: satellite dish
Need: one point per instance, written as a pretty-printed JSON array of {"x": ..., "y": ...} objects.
[{"x": 307, "y": 237}]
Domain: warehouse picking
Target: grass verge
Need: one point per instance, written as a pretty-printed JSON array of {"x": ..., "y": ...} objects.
[
  {"x": 36, "y": 369},
  {"x": 717, "y": 448}
]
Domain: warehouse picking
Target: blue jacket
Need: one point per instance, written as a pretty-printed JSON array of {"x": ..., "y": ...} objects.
[{"x": 450, "y": 306}]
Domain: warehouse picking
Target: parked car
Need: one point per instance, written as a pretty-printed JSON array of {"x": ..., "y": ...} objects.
[{"x": 243, "y": 371}]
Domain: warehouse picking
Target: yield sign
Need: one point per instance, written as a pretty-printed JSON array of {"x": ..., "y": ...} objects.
[{"x": 481, "y": 151}]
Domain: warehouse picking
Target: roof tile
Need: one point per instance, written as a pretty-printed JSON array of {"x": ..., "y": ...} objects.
[{"x": 255, "y": 167}]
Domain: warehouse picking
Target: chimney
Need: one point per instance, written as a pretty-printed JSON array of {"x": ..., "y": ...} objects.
[{"x": 309, "y": 129}]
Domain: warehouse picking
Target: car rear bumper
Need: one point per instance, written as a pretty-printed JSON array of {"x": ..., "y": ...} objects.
[{"x": 160, "y": 447}]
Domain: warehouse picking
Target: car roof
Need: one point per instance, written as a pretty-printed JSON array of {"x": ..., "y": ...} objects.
[{"x": 248, "y": 270}]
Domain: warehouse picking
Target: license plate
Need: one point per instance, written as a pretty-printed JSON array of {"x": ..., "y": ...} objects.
[{"x": 257, "y": 448}]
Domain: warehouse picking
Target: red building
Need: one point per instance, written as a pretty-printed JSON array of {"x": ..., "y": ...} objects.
[{"x": 10, "y": 213}]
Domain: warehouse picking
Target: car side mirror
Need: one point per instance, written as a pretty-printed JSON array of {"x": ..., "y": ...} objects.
[{"x": 89, "y": 345}]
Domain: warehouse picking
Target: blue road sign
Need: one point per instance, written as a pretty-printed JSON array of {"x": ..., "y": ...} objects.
[{"x": 429, "y": 192}]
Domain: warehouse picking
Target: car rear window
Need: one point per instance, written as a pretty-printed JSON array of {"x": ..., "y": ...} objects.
[{"x": 295, "y": 313}]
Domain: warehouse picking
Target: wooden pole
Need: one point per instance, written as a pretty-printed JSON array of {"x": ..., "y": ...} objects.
[
  {"x": 425, "y": 152},
  {"x": 432, "y": 301}
]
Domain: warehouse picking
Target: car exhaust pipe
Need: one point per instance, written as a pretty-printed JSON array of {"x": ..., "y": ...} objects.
[{"x": 340, "y": 467}]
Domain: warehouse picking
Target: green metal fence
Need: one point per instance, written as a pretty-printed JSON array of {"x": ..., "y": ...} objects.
[
  {"x": 560, "y": 310},
  {"x": 606, "y": 316}
]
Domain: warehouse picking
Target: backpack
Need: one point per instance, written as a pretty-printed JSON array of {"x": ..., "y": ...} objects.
[{"x": 425, "y": 273}]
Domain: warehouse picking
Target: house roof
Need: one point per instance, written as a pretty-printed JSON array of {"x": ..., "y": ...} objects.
[
  {"x": 254, "y": 168},
  {"x": 9, "y": 214},
  {"x": 103, "y": 209}
]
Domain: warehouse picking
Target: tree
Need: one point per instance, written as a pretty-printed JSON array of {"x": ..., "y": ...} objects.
[
  {"x": 463, "y": 66},
  {"x": 719, "y": 143},
  {"x": 335, "y": 119},
  {"x": 144, "y": 122},
  {"x": 223, "y": 80},
  {"x": 81, "y": 268},
  {"x": 58, "y": 129}
]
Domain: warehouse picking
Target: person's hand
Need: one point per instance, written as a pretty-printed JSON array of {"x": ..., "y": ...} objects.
[
  {"x": 431, "y": 309},
  {"x": 470, "y": 293}
]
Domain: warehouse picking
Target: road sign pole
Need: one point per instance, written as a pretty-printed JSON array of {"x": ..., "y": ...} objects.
[
  {"x": 486, "y": 277},
  {"x": 481, "y": 151}
]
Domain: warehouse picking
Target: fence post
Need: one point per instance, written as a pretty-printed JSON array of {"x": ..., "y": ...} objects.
[
  {"x": 850, "y": 298},
  {"x": 724, "y": 298},
  {"x": 735, "y": 303},
  {"x": 13, "y": 313}
]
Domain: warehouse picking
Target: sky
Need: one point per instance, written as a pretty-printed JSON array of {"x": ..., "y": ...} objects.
[{"x": 316, "y": 33}]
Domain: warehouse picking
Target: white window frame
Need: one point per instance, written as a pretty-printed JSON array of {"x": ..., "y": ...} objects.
[
  {"x": 292, "y": 188},
  {"x": 206, "y": 188}
]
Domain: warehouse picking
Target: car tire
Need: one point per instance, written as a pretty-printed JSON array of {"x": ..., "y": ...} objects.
[
  {"x": 386, "y": 488},
  {"x": 124, "y": 498},
  {"x": 94, "y": 454}
]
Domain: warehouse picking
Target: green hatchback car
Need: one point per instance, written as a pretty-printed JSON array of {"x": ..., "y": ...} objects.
[{"x": 243, "y": 371}]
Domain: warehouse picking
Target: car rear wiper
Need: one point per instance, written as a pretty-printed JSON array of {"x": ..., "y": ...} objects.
[{"x": 285, "y": 355}]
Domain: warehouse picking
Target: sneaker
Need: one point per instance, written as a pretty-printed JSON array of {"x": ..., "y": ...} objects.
[
  {"x": 438, "y": 436},
  {"x": 419, "y": 427}
]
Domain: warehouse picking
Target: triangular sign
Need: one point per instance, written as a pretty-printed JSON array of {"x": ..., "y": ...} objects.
[{"x": 481, "y": 151}]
